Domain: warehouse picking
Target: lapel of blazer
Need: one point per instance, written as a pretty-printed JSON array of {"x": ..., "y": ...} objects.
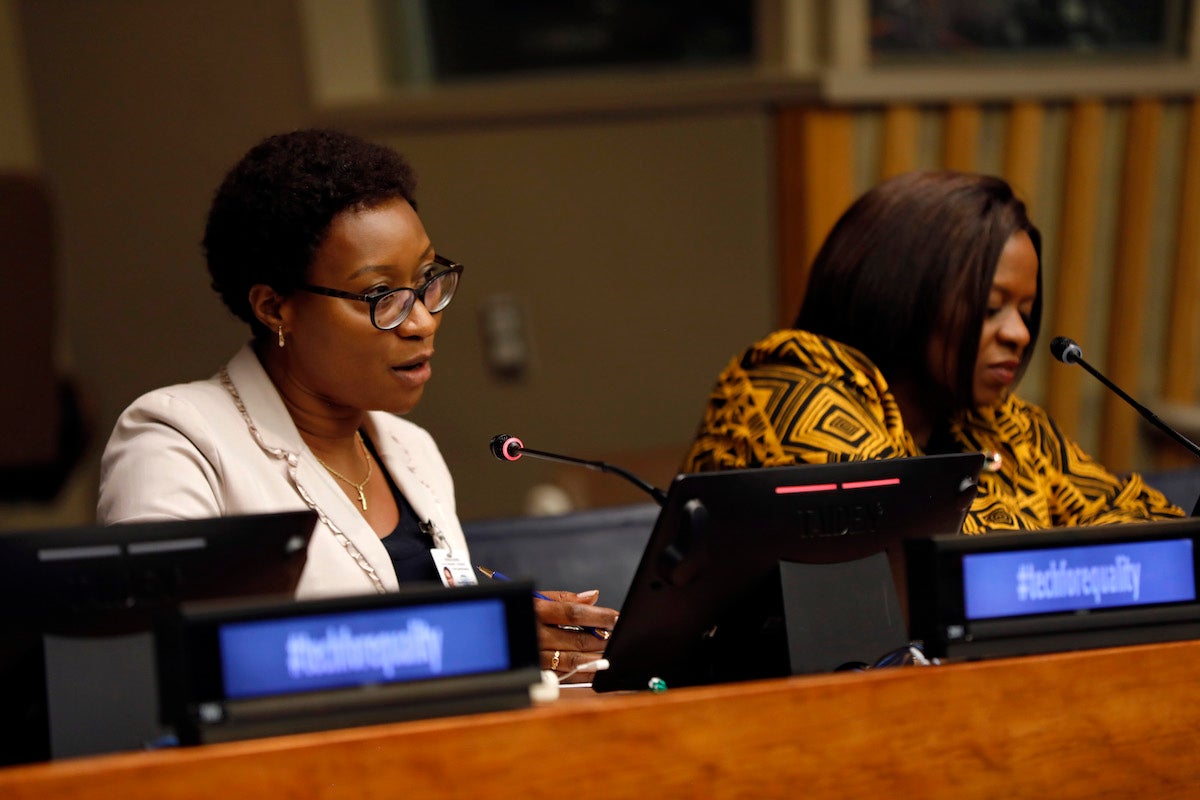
[
  {"x": 268, "y": 414},
  {"x": 406, "y": 472}
]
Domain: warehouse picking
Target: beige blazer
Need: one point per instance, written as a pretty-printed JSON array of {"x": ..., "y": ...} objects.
[{"x": 188, "y": 451}]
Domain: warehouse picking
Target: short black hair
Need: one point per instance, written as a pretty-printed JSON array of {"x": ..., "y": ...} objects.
[
  {"x": 274, "y": 208},
  {"x": 913, "y": 258}
]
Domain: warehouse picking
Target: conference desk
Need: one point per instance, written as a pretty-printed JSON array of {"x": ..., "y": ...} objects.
[{"x": 1105, "y": 723}]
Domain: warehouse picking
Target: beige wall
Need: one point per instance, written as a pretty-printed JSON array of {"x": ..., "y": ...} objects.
[
  {"x": 639, "y": 251},
  {"x": 139, "y": 105},
  {"x": 639, "y": 248}
]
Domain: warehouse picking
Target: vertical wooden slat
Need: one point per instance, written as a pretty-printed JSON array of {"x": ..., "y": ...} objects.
[
  {"x": 960, "y": 145},
  {"x": 1183, "y": 321},
  {"x": 901, "y": 123},
  {"x": 1127, "y": 300},
  {"x": 816, "y": 184},
  {"x": 1182, "y": 352},
  {"x": 1080, "y": 196},
  {"x": 793, "y": 268},
  {"x": 844, "y": 32},
  {"x": 1023, "y": 149}
]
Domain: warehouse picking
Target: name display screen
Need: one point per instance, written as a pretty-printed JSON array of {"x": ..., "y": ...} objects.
[
  {"x": 1079, "y": 578},
  {"x": 264, "y": 658}
]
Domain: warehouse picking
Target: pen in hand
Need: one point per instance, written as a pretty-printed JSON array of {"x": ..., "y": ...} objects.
[{"x": 599, "y": 633}]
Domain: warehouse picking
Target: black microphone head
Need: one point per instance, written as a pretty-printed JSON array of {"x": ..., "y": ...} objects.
[
  {"x": 506, "y": 447},
  {"x": 1065, "y": 350}
]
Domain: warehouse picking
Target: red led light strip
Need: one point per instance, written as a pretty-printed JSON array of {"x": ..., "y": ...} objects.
[{"x": 829, "y": 487}]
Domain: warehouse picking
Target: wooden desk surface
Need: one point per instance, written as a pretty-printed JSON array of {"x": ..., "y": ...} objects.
[{"x": 1105, "y": 723}]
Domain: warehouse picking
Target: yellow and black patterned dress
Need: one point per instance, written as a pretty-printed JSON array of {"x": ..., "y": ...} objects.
[{"x": 795, "y": 397}]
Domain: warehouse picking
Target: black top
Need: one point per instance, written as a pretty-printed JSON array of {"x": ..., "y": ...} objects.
[{"x": 408, "y": 545}]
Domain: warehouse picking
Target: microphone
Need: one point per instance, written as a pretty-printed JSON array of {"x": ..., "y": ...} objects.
[
  {"x": 1068, "y": 352},
  {"x": 507, "y": 447}
]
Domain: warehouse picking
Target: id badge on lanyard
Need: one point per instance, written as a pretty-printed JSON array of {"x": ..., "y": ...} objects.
[{"x": 453, "y": 568}]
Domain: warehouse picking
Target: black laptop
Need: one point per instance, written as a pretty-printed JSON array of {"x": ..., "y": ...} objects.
[
  {"x": 705, "y": 604},
  {"x": 77, "y": 606}
]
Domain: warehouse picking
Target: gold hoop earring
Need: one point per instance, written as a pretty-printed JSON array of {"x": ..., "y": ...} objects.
[{"x": 281, "y": 336}]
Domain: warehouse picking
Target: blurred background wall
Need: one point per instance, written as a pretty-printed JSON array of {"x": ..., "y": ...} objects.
[
  {"x": 637, "y": 247},
  {"x": 631, "y": 222}
]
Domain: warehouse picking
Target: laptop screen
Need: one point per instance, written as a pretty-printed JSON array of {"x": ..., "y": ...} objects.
[{"x": 705, "y": 606}]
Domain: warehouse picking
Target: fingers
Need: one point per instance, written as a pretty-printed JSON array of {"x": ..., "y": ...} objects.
[
  {"x": 562, "y": 609},
  {"x": 564, "y": 662},
  {"x": 552, "y": 637},
  {"x": 573, "y": 632},
  {"x": 587, "y": 598}
]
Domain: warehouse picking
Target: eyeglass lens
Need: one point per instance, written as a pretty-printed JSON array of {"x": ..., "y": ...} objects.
[{"x": 394, "y": 308}]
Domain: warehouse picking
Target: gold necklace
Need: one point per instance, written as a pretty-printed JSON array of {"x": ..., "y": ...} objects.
[{"x": 358, "y": 487}]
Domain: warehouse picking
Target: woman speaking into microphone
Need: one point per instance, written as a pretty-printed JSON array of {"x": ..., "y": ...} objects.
[{"x": 313, "y": 240}]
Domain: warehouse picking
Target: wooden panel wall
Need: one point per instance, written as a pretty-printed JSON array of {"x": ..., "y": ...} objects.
[
  {"x": 1183, "y": 329},
  {"x": 1127, "y": 300},
  {"x": 817, "y": 180},
  {"x": 1077, "y": 246},
  {"x": 816, "y": 175},
  {"x": 1023, "y": 150}
]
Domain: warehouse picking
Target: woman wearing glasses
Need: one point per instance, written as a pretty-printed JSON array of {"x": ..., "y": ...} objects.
[{"x": 313, "y": 240}]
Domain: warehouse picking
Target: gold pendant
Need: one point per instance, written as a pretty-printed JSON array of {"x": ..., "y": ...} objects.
[{"x": 362, "y": 498}]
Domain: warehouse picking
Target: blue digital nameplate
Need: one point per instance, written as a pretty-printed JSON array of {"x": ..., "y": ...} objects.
[
  {"x": 1082, "y": 578},
  {"x": 365, "y": 647},
  {"x": 246, "y": 667}
]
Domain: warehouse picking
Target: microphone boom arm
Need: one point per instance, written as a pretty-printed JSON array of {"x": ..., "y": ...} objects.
[
  {"x": 658, "y": 494},
  {"x": 1150, "y": 416},
  {"x": 1068, "y": 352},
  {"x": 509, "y": 448}
]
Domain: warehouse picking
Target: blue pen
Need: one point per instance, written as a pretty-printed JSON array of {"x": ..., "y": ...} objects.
[
  {"x": 599, "y": 633},
  {"x": 500, "y": 576}
]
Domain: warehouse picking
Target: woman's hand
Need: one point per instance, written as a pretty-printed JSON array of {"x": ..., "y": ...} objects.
[{"x": 573, "y": 631}]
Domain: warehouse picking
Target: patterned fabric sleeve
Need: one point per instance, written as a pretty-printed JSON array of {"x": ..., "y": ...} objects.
[
  {"x": 734, "y": 433},
  {"x": 1046, "y": 479},
  {"x": 798, "y": 398},
  {"x": 1083, "y": 492},
  {"x": 795, "y": 397}
]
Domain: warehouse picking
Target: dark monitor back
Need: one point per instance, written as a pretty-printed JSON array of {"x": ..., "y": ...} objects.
[
  {"x": 76, "y": 652},
  {"x": 592, "y": 549},
  {"x": 705, "y": 605}
]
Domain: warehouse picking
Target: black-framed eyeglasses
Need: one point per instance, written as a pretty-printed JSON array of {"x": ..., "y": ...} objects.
[{"x": 390, "y": 308}]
